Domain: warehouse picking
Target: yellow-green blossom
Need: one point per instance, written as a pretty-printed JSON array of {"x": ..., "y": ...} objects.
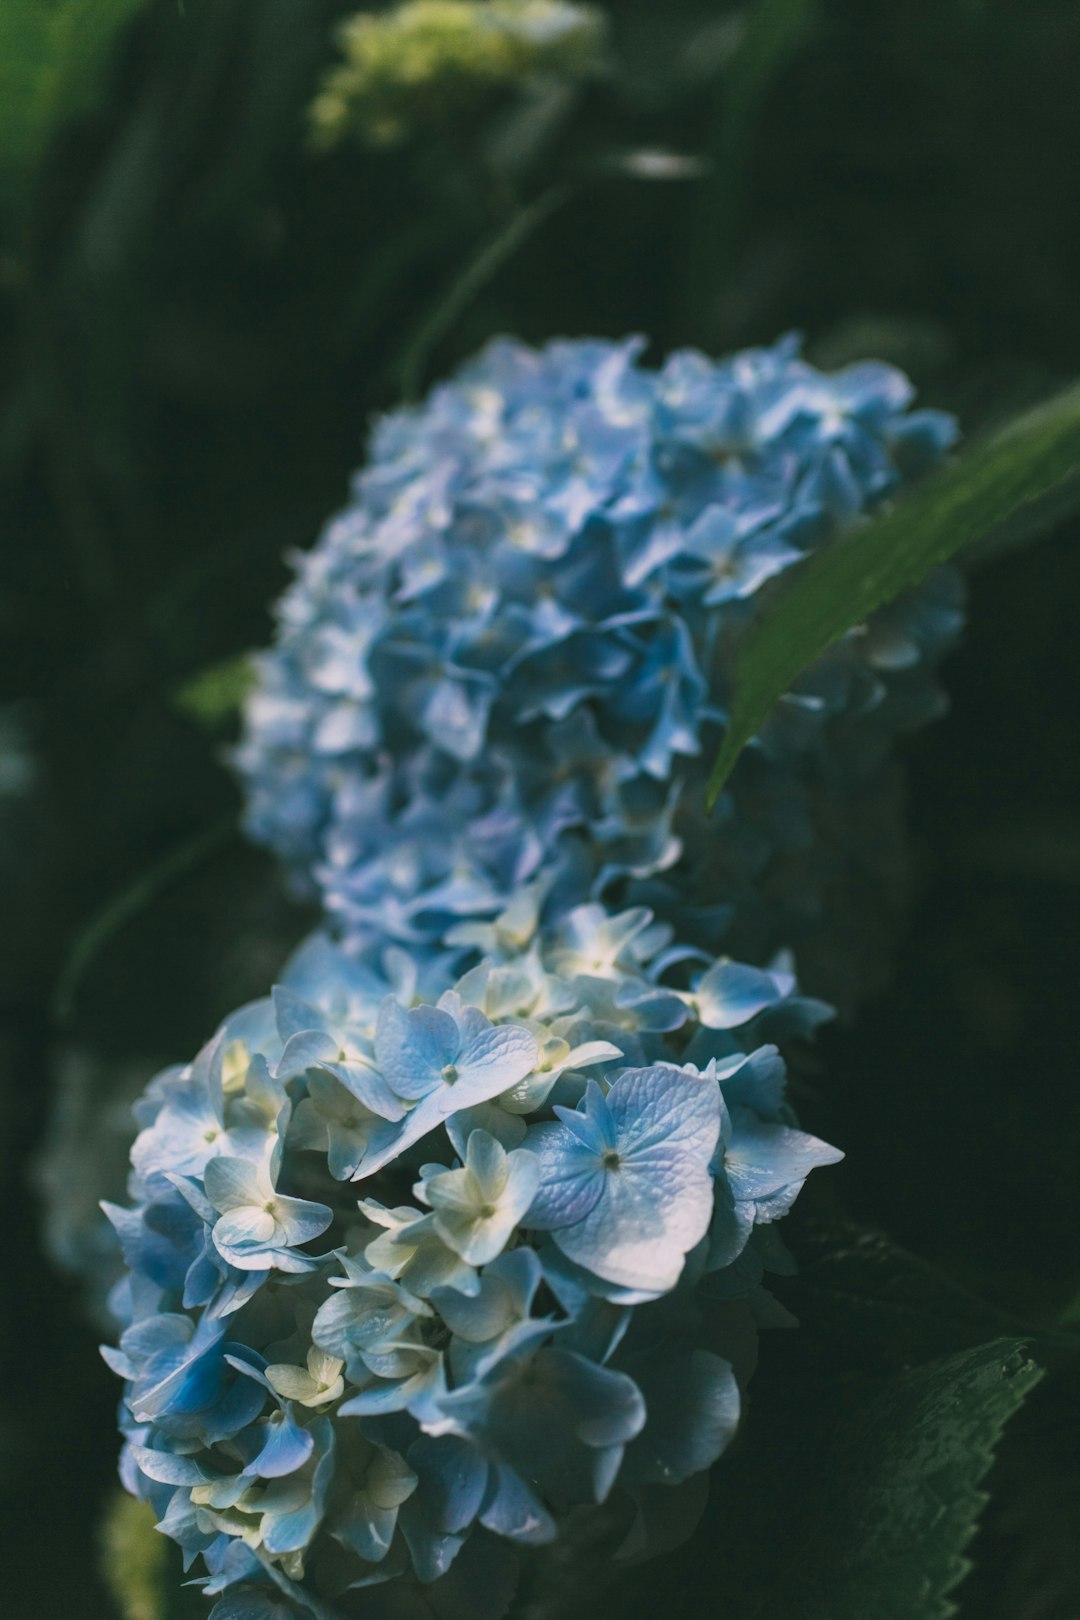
[{"x": 428, "y": 60}]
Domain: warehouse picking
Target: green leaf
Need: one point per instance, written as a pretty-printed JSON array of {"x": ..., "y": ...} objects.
[
  {"x": 1027, "y": 1557},
  {"x": 906, "y": 1310},
  {"x": 857, "y": 1483},
  {"x": 883, "y": 1526},
  {"x": 215, "y": 695},
  {"x": 773, "y": 32},
  {"x": 54, "y": 60},
  {"x": 1021, "y": 476}
]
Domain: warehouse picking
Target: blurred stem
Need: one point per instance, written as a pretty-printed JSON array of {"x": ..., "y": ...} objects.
[
  {"x": 101, "y": 928},
  {"x": 480, "y": 270},
  {"x": 367, "y": 306},
  {"x": 773, "y": 33},
  {"x": 52, "y": 390}
]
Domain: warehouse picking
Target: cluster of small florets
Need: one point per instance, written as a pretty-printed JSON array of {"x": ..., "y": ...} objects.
[
  {"x": 499, "y": 681},
  {"x": 422, "y": 64},
  {"x": 508, "y": 660},
  {"x": 414, "y": 1275}
]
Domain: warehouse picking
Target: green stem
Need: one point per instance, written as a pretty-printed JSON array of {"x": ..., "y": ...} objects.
[
  {"x": 96, "y": 934},
  {"x": 473, "y": 279}
]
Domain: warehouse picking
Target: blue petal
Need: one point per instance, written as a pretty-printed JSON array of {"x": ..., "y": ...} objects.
[
  {"x": 287, "y": 1447},
  {"x": 761, "y": 1158},
  {"x": 413, "y": 1047},
  {"x": 511, "y": 1509},
  {"x": 730, "y": 994},
  {"x": 693, "y": 1407},
  {"x": 453, "y": 1478},
  {"x": 571, "y": 1179}
]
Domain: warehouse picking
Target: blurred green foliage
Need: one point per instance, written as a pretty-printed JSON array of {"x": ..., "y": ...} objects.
[
  {"x": 215, "y": 695},
  {"x": 134, "y": 1559},
  {"x": 55, "y": 57},
  {"x": 141, "y": 1568},
  {"x": 198, "y": 315}
]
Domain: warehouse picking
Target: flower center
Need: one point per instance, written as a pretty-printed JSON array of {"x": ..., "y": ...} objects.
[
  {"x": 611, "y": 1160},
  {"x": 450, "y": 1073}
]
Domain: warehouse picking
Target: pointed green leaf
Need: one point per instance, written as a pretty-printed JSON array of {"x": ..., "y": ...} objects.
[
  {"x": 1025, "y": 474},
  {"x": 903, "y": 1387},
  {"x": 883, "y": 1525}
]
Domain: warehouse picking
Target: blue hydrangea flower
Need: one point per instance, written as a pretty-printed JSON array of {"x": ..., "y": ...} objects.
[
  {"x": 508, "y": 659},
  {"x": 326, "y": 1391},
  {"x": 625, "y": 1187}
]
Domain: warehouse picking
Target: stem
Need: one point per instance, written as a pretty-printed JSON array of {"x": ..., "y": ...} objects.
[{"x": 473, "y": 279}]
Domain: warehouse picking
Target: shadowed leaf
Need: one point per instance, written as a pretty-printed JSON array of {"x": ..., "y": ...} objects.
[{"x": 1000, "y": 487}]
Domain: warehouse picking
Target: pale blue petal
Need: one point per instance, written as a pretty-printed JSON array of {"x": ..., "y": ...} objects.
[
  {"x": 571, "y": 1179},
  {"x": 762, "y": 1158},
  {"x": 730, "y": 994},
  {"x": 412, "y": 1047},
  {"x": 234, "y": 1184}
]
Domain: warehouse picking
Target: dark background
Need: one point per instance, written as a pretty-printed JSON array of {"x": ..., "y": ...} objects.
[{"x": 198, "y": 317}]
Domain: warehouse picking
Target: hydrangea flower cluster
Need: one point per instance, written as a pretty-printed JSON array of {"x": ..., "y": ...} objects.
[
  {"x": 414, "y": 1273},
  {"x": 507, "y": 661},
  {"x": 462, "y": 1235},
  {"x": 427, "y": 62}
]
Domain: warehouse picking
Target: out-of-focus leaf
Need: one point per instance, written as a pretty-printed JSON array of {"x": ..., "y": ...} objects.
[
  {"x": 1071, "y": 1314},
  {"x": 772, "y": 32},
  {"x": 506, "y": 241},
  {"x": 858, "y": 1484},
  {"x": 54, "y": 59},
  {"x": 134, "y": 1558},
  {"x": 215, "y": 696},
  {"x": 1025, "y": 470},
  {"x": 654, "y": 163},
  {"x": 142, "y": 1568}
]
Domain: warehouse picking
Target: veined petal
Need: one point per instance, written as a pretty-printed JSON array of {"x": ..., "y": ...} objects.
[{"x": 570, "y": 1183}]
